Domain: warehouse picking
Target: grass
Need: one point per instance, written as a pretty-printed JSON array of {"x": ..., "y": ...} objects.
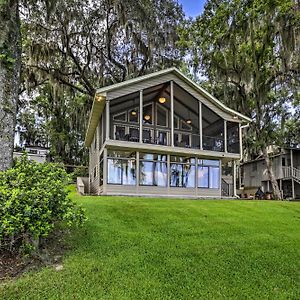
[{"x": 137, "y": 248}]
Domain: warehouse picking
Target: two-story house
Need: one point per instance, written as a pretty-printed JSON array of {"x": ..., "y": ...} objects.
[
  {"x": 160, "y": 134},
  {"x": 286, "y": 168}
]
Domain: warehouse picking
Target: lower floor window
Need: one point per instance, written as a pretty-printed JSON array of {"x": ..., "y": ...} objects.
[
  {"x": 153, "y": 171},
  {"x": 208, "y": 174},
  {"x": 121, "y": 171},
  {"x": 182, "y": 175}
]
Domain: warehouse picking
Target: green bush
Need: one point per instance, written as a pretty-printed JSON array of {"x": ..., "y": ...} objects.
[
  {"x": 80, "y": 172},
  {"x": 33, "y": 200}
]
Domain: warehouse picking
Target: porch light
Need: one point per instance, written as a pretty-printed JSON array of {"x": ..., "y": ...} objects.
[
  {"x": 147, "y": 117},
  {"x": 99, "y": 97},
  {"x": 189, "y": 121},
  {"x": 133, "y": 113},
  {"x": 235, "y": 117},
  {"x": 162, "y": 100}
]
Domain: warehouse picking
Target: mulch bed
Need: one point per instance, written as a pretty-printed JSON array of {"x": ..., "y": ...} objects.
[
  {"x": 11, "y": 265},
  {"x": 14, "y": 265}
]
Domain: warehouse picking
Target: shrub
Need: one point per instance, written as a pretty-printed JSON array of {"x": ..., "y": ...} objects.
[
  {"x": 33, "y": 199},
  {"x": 79, "y": 172}
]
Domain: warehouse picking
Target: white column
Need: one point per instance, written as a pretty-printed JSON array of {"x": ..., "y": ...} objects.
[
  {"x": 168, "y": 170},
  {"x": 137, "y": 164},
  {"x": 225, "y": 136},
  {"x": 104, "y": 169},
  {"x": 196, "y": 175},
  {"x": 241, "y": 141},
  {"x": 292, "y": 166},
  {"x": 234, "y": 177},
  {"x": 200, "y": 125},
  {"x": 220, "y": 181},
  {"x": 141, "y": 116},
  {"x": 172, "y": 112},
  {"x": 107, "y": 117}
]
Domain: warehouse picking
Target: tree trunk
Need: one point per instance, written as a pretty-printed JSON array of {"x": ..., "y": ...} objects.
[
  {"x": 272, "y": 178},
  {"x": 10, "y": 65}
]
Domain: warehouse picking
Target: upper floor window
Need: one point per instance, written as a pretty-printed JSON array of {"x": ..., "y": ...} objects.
[
  {"x": 161, "y": 116},
  {"x": 233, "y": 137},
  {"x": 120, "y": 117},
  {"x": 212, "y": 129},
  {"x": 133, "y": 115}
]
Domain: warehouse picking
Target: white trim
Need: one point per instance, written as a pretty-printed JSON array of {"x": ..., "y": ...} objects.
[
  {"x": 107, "y": 119},
  {"x": 225, "y": 136}
]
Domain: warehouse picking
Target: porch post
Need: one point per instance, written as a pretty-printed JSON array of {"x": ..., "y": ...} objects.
[
  {"x": 196, "y": 176},
  {"x": 141, "y": 116},
  {"x": 200, "y": 125},
  {"x": 280, "y": 186},
  {"x": 234, "y": 178},
  {"x": 107, "y": 119},
  {"x": 168, "y": 170},
  {"x": 137, "y": 164},
  {"x": 241, "y": 141},
  {"x": 104, "y": 170},
  {"x": 172, "y": 112},
  {"x": 292, "y": 166},
  {"x": 225, "y": 136}
]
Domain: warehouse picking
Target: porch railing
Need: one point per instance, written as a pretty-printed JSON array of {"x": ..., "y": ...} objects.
[{"x": 289, "y": 172}]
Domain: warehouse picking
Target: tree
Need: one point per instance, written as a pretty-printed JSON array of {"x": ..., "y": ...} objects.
[
  {"x": 85, "y": 46},
  {"x": 10, "y": 62},
  {"x": 72, "y": 51},
  {"x": 78, "y": 45},
  {"x": 249, "y": 52}
]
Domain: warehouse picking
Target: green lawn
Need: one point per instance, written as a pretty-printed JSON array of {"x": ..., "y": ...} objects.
[{"x": 137, "y": 248}]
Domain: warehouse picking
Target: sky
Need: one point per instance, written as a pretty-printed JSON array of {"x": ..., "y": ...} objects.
[{"x": 192, "y": 8}]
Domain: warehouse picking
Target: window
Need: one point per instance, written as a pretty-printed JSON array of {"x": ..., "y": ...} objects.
[
  {"x": 133, "y": 115},
  {"x": 214, "y": 177},
  {"x": 182, "y": 172},
  {"x": 176, "y": 123},
  {"x": 162, "y": 116},
  {"x": 114, "y": 171},
  {"x": 120, "y": 133},
  {"x": 185, "y": 126},
  {"x": 153, "y": 169},
  {"x": 147, "y": 114},
  {"x": 121, "y": 168},
  {"x": 120, "y": 117},
  {"x": 134, "y": 134},
  {"x": 233, "y": 138},
  {"x": 208, "y": 174},
  {"x": 212, "y": 130},
  {"x": 202, "y": 177},
  {"x": 162, "y": 137}
]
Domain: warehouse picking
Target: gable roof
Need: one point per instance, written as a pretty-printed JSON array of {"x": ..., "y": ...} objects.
[{"x": 100, "y": 97}]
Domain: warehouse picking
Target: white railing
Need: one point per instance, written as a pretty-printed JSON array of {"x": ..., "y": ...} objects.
[{"x": 289, "y": 172}]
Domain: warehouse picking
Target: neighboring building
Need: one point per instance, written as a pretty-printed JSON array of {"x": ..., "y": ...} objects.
[
  {"x": 161, "y": 134},
  {"x": 35, "y": 153},
  {"x": 286, "y": 168}
]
